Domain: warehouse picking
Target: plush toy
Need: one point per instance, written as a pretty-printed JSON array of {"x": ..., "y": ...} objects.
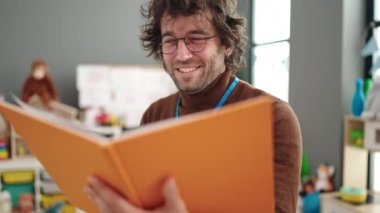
[
  {"x": 39, "y": 83},
  {"x": 312, "y": 187},
  {"x": 321, "y": 182},
  {"x": 308, "y": 186},
  {"x": 325, "y": 175}
]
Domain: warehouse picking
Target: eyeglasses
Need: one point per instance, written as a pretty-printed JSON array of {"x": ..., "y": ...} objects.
[{"x": 193, "y": 43}]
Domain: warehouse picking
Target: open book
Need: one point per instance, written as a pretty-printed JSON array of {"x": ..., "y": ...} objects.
[{"x": 221, "y": 160}]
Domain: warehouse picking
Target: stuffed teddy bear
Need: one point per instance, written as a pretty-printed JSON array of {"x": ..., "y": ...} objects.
[
  {"x": 40, "y": 84},
  {"x": 321, "y": 182},
  {"x": 325, "y": 175}
]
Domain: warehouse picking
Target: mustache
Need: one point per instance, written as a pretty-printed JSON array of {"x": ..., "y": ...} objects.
[
  {"x": 181, "y": 64},
  {"x": 184, "y": 64}
]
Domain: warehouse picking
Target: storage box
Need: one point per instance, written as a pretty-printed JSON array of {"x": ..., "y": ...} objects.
[{"x": 18, "y": 177}]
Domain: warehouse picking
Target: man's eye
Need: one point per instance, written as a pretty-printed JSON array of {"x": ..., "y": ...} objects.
[
  {"x": 170, "y": 41},
  {"x": 196, "y": 40}
]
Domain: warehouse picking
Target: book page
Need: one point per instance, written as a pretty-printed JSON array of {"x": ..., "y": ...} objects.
[{"x": 73, "y": 125}]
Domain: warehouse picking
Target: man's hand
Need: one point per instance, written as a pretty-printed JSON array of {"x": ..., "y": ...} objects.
[{"x": 109, "y": 201}]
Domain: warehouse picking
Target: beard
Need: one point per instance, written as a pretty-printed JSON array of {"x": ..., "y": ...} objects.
[{"x": 205, "y": 73}]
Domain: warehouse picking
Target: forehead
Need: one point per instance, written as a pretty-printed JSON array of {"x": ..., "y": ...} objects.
[{"x": 183, "y": 25}]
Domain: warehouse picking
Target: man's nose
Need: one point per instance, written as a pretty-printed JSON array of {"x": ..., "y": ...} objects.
[{"x": 183, "y": 53}]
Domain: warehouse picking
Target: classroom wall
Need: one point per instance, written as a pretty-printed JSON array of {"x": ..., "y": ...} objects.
[
  {"x": 68, "y": 33},
  {"x": 324, "y": 62},
  {"x": 65, "y": 34}
]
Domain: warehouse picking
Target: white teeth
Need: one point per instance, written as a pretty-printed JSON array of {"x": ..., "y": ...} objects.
[{"x": 187, "y": 69}]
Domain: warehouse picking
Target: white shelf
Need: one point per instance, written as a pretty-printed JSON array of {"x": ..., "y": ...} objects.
[
  {"x": 20, "y": 163},
  {"x": 331, "y": 204}
]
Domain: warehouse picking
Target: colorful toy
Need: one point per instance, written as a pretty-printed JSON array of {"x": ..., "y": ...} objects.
[
  {"x": 4, "y": 138},
  {"x": 5, "y": 202},
  {"x": 313, "y": 186},
  {"x": 305, "y": 166},
  {"x": 357, "y": 138},
  {"x": 109, "y": 119},
  {"x": 25, "y": 203},
  {"x": 358, "y": 99},
  {"x": 311, "y": 203},
  {"x": 353, "y": 194},
  {"x": 325, "y": 177}
]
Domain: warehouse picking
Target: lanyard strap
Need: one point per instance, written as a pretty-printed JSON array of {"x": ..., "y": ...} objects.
[{"x": 221, "y": 101}]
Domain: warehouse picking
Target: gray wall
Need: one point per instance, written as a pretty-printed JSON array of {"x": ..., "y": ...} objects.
[
  {"x": 352, "y": 62},
  {"x": 66, "y": 33},
  {"x": 324, "y": 62}
]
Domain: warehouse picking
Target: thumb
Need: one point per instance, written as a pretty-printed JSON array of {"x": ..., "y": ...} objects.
[{"x": 172, "y": 198}]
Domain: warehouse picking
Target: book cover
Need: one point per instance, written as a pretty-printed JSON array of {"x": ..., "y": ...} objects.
[{"x": 221, "y": 160}]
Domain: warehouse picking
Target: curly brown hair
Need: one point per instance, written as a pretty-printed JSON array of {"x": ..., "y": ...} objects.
[{"x": 229, "y": 25}]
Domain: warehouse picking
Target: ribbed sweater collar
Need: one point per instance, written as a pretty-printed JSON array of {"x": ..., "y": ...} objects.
[{"x": 208, "y": 98}]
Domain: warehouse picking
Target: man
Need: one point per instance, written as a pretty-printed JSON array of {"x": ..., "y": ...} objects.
[{"x": 201, "y": 44}]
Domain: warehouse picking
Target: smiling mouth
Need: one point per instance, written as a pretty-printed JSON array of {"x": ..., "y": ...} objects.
[{"x": 187, "y": 69}]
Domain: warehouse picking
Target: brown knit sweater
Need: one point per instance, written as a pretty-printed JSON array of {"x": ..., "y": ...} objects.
[{"x": 287, "y": 133}]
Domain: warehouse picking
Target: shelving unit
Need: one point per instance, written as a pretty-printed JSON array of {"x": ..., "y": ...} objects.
[
  {"x": 360, "y": 138},
  {"x": 20, "y": 159},
  {"x": 24, "y": 162},
  {"x": 355, "y": 159}
]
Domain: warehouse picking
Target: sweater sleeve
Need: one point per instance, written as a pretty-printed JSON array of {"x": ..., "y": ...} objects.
[
  {"x": 287, "y": 157},
  {"x": 145, "y": 118}
]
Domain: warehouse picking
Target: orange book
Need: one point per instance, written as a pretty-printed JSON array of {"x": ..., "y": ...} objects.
[{"x": 221, "y": 160}]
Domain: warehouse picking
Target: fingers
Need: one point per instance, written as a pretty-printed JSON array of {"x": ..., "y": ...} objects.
[
  {"x": 96, "y": 199},
  {"x": 107, "y": 200},
  {"x": 173, "y": 200}
]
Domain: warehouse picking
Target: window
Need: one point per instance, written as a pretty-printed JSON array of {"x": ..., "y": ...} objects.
[
  {"x": 271, "y": 69},
  {"x": 270, "y": 35},
  {"x": 376, "y": 156},
  {"x": 271, "y": 21}
]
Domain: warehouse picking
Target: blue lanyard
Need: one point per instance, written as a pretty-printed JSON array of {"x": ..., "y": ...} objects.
[{"x": 221, "y": 101}]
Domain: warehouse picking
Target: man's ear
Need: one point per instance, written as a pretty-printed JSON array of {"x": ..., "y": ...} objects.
[{"x": 227, "y": 51}]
